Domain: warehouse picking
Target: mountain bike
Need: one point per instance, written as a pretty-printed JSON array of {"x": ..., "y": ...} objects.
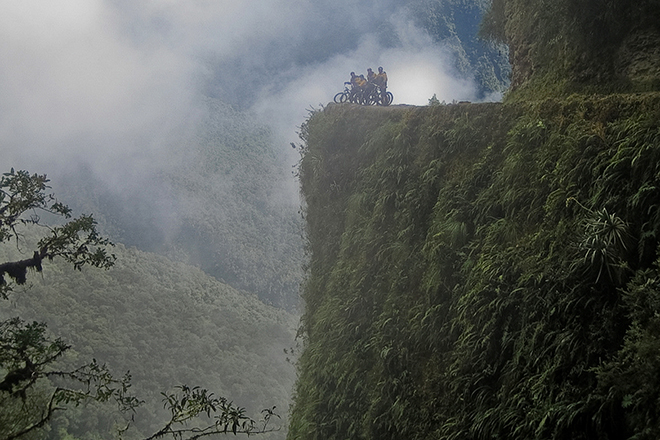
[
  {"x": 346, "y": 96},
  {"x": 367, "y": 96},
  {"x": 376, "y": 97}
]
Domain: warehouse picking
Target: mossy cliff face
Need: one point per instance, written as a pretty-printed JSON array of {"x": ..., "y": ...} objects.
[
  {"x": 482, "y": 271},
  {"x": 566, "y": 46}
]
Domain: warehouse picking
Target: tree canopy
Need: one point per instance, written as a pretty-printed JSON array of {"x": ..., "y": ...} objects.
[{"x": 34, "y": 385}]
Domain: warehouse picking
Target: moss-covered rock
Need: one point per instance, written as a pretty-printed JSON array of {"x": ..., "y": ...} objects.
[{"x": 592, "y": 46}]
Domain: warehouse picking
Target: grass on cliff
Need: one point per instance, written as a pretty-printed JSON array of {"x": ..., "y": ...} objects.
[
  {"x": 482, "y": 271},
  {"x": 591, "y": 47}
]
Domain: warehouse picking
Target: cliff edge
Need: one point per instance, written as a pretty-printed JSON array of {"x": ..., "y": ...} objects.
[
  {"x": 482, "y": 271},
  {"x": 491, "y": 271}
]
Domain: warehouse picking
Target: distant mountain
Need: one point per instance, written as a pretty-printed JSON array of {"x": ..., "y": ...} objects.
[
  {"x": 169, "y": 324},
  {"x": 222, "y": 200},
  {"x": 329, "y": 29},
  {"x": 456, "y": 24}
]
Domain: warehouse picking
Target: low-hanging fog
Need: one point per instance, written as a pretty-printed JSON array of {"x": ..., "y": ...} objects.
[
  {"x": 118, "y": 91},
  {"x": 171, "y": 121}
]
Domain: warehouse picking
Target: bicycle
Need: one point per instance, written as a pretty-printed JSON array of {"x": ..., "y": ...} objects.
[
  {"x": 346, "y": 95},
  {"x": 376, "y": 97},
  {"x": 368, "y": 96}
]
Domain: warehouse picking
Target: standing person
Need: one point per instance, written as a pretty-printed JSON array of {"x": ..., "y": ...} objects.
[
  {"x": 355, "y": 87},
  {"x": 359, "y": 86},
  {"x": 381, "y": 82},
  {"x": 371, "y": 91},
  {"x": 371, "y": 76},
  {"x": 381, "y": 78}
]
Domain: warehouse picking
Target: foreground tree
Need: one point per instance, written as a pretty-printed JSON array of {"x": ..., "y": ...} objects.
[{"x": 32, "y": 388}]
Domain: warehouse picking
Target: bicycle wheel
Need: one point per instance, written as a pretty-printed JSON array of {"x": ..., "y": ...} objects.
[
  {"x": 374, "y": 99},
  {"x": 389, "y": 97},
  {"x": 340, "y": 97}
]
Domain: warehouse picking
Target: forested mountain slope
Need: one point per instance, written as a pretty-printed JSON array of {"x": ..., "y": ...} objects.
[
  {"x": 482, "y": 271},
  {"x": 220, "y": 198},
  {"x": 169, "y": 324}
]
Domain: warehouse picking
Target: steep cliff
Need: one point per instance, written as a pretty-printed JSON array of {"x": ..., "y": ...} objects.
[
  {"x": 567, "y": 46},
  {"x": 482, "y": 271}
]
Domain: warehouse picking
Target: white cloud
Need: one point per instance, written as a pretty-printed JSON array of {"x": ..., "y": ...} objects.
[
  {"x": 415, "y": 77},
  {"x": 73, "y": 86},
  {"x": 115, "y": 82},
  {"x": 417, "y": 69}
]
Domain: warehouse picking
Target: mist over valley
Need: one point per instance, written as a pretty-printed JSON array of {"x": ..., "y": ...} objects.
[{"x": 171, "y": 122}]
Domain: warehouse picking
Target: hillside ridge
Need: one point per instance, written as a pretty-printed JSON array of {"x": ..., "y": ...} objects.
[{"x": 482, "y": 270}]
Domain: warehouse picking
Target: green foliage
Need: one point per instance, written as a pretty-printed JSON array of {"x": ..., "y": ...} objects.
[
  {"x": 20, "y": 192},
  {"x": 604, "y": 241},
  {"x": 76, "y": 241},
  {"x": 228, "y": 206},
  {"x": 493, "y": 23},
  {"x": 32, "y": 389},
  {"x": 26, "y": 351},
  {"x": 191, "y": 403},
  {"x": 590, "y": 46},
  {"x": 168, "y": 323},
  {"x": 630, "y": 379},
  {"x": 434, "y": 100},
  {"x": 481, "y": 271},
  {"x": 115, "y": 315}
]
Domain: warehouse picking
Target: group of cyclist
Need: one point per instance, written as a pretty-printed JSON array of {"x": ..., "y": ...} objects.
[{"x": 372, "y": 88}]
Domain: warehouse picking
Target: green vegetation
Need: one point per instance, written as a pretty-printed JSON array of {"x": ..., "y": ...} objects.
[
  {"x": 31, "y": 390},
  {"x": 564, "y": 47},
  {"x": 167, "y": 323},
  {"x": 219, "y": 201},
  {"x": 482, "y": 271}
]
